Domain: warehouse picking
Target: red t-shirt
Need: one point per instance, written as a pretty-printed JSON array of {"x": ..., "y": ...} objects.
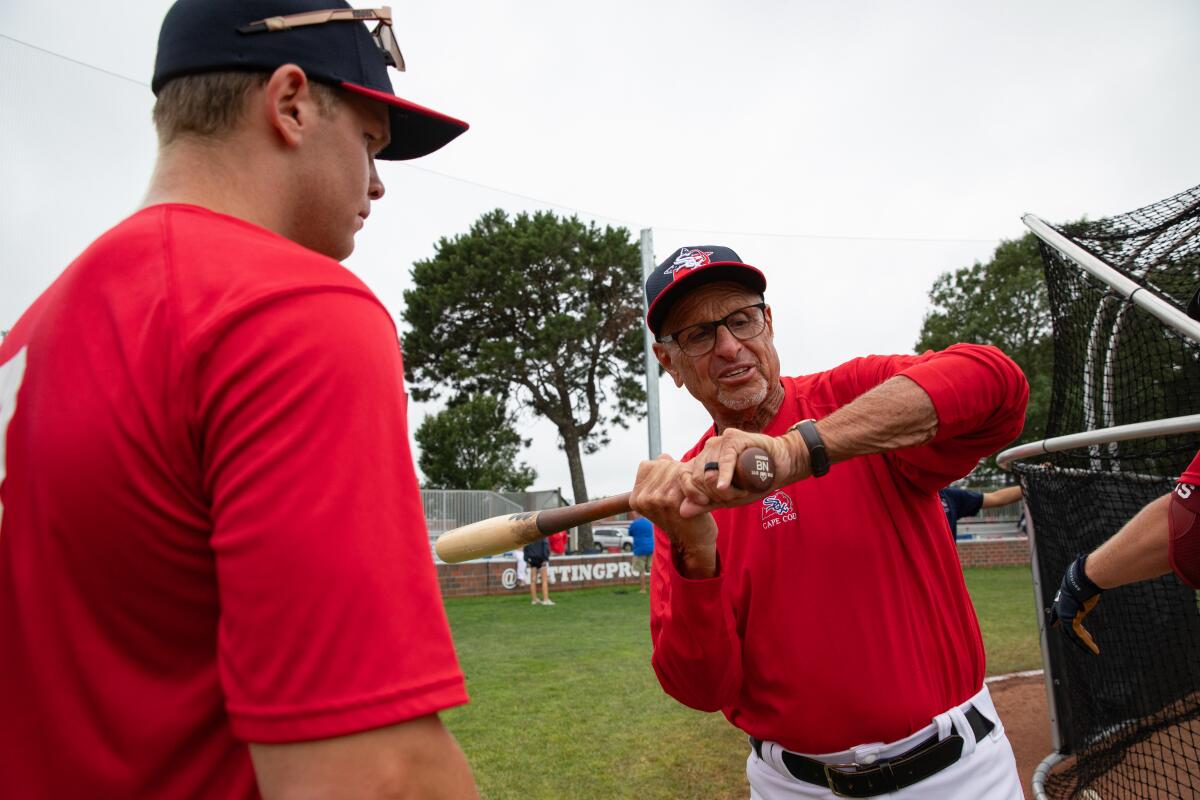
[
  {"x": 840, "y": 616},
  {"x": 1191, "y": 475},
  {"x": 1183, "y": 543},
  {"x": 211, "y": 529}
]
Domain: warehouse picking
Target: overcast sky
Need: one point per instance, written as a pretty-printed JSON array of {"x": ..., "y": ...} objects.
[{"x": 852, "y": 150}]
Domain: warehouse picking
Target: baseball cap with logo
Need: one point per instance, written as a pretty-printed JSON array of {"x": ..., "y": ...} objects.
[
  {"x": 256, "y": 35},
  {"x": 689, "y": 267}
]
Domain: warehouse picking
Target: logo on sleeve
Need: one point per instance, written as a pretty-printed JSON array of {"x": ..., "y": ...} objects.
[
  {"x": 1184, "y": 490},
  {"x": 689, "y": 259},
  {"x": 776, "y": 509}
]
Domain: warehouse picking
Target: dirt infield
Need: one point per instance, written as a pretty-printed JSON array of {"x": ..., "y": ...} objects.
[
  {"x": 1021, "y": 703},
  {"x": 1161, "y": 765}
]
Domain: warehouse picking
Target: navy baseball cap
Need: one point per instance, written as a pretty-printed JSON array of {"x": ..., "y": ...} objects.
[
  {"x": 689, "y": 267},
  {"x": 203, "y": 36}
]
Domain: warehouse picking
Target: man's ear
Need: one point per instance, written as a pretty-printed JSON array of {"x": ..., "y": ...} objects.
[
  {"x": 289, "y": 105},
  {"x": 664, "y": 356}
]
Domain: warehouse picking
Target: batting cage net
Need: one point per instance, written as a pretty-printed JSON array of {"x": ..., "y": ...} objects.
[{"x": 1130, "y": 717}]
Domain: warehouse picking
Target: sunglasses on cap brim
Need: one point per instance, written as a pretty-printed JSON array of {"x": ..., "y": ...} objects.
[{"x": 383, "y": 36}]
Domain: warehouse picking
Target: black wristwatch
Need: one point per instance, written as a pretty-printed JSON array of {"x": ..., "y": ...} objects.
[{"x": 818, "y": 459}]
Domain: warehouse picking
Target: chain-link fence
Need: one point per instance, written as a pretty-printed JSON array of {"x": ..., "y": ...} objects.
[{"x": 446, "y": 509}]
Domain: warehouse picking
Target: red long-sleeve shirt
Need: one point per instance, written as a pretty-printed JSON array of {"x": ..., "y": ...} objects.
[{"x": 839, "y": 615}]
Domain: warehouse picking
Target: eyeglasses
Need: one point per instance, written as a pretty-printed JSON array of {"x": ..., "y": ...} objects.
[
  {"x": 383, "y": 36},
  {"x": 696, "y": 340}
]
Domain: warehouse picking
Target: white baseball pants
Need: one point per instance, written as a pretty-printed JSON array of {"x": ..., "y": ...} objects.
[{"x": 987, "y": 769}]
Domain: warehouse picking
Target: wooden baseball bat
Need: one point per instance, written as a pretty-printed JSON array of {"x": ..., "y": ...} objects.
[{"x": 753, "y": 472}]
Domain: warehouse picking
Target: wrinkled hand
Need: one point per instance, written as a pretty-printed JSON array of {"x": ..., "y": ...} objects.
[
  {"x": 1076, "y": 598},
  {"x": 704, "y": 490},
  {"x": 657, "y": 495}
]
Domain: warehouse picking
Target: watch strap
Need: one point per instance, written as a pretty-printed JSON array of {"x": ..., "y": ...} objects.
[{"x": 818, "y": 459}]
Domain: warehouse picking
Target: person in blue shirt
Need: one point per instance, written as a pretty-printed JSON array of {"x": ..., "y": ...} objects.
[
  {"x": 965, "y": 503},
  {"x": 642, "y": 532}
]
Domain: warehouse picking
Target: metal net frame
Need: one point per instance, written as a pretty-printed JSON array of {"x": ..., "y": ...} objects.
[{"x": 1125, "y": 352}]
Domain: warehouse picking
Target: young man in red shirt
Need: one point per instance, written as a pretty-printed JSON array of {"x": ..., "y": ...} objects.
[
  {"x": 828, "y": 617},
  {"x": 215, "y": 577}
]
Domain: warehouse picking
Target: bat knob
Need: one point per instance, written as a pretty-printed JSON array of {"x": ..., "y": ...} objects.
[{"x": 755, "y": 471}]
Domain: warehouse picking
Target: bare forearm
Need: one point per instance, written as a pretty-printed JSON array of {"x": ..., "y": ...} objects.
[
  {"x": 414, "y": 759},
  {"x": 1002, "y": 497},
  {"x": 894, "y": 415},
  {"x": 1137, "y": 552}
]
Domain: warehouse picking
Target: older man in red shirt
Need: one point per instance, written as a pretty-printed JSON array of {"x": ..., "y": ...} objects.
[{"x": 828, "y": 617}]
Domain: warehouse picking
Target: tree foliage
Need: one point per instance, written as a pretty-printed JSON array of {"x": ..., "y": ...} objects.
[
  {"x": 1002, "y": 302},
  {"x": 540, "y": 310},
  {"x": 473, "y": 445}
]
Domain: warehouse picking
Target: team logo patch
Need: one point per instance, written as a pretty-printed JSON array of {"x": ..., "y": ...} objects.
[
  {"x": 776, "y": 505},
  {"x": 689, "y": 259},
  {"x": 776, "y": 509}
]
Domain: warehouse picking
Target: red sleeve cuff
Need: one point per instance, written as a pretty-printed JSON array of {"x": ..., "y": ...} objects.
[
  {"x": 976, "y": 391},
  {"x": 698, "y": 612},
  {"x": 282, "y": 725},
  {"x": 943, "y": 390},
  {"x": 690, "y": 591}
]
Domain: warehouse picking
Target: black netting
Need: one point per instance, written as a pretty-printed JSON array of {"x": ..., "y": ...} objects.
[{"x": 1130, "y": 717}]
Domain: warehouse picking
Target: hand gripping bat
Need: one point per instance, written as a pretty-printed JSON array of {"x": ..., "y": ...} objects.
[{"x": 754, "y": 472}]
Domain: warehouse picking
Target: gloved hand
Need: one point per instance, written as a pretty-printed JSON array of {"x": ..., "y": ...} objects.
[{"x": 1076, "y": 598}]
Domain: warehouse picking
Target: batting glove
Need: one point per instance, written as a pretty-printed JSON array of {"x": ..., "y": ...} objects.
[{"x": 1076, "y": 598}]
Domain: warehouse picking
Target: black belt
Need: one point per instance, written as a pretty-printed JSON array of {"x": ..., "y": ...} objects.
[{"x": 886, "y": 775}]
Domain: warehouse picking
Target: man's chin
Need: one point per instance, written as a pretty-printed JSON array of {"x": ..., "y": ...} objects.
[
  {"x": 339, "y": 251},
  {"x": 742, "y": 399}
]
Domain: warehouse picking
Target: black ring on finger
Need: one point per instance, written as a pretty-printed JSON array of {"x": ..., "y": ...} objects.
[{"x": 711, "y": 465}]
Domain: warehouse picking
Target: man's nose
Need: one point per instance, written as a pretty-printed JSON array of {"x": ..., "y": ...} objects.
[
  {"x": 727, "y": 345},
  {"x": 375, "y": 185}
]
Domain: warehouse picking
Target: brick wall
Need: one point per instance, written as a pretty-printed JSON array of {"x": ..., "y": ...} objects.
[
  {"x": 997, "y": 552},
  {"x": 499, "y": 576}
]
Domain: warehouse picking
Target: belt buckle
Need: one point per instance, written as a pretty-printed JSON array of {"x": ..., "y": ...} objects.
[{"x": 829, "y": 778}]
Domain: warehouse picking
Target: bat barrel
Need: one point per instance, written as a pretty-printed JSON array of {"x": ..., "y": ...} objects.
[{"x": 487, "y": 537}]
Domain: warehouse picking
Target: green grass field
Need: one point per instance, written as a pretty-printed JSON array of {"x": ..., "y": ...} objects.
[{"x": 564, "y": 703}]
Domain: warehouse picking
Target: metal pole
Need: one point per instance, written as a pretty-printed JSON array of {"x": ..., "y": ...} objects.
[
  {"x": 1043, "y": 635},
  {"x": 1120, "y": 433},
  {"x": 652, "y": 420}
]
